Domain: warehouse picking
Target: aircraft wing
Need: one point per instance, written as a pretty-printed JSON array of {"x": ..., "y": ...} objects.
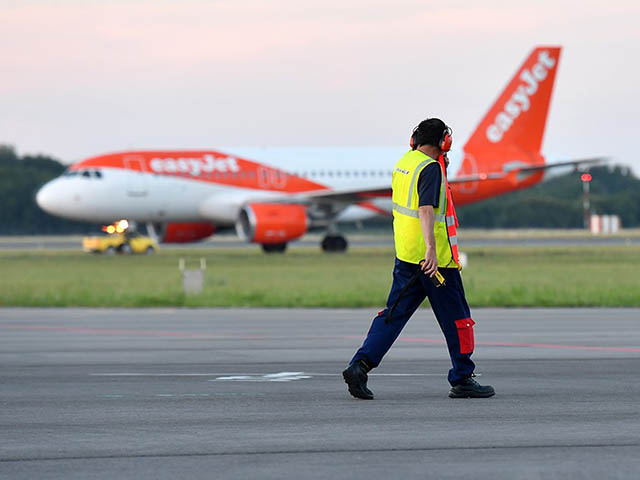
[
  {"x": 578, "y": 164},
  {"x": 581, "y": 163},
  {"x": 480, "y": 177},
  {"x": 356, "y": 195},
  {"x": 345, "y": 196}
]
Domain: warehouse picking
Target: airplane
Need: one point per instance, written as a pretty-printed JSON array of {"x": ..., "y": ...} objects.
[{"x": 185, "y": 196}]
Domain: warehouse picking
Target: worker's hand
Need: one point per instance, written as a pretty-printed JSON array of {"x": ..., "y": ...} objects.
[{"x": 430, "y": 264}]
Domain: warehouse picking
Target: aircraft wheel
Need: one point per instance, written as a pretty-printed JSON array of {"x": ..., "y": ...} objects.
[
  {"x": 334, "y": 243},
  {"x": 110, "y": 251},
  {"x": 274, "y": 247}
]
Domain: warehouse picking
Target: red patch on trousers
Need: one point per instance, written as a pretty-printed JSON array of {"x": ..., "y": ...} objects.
[{"x": 465, "y": 335}]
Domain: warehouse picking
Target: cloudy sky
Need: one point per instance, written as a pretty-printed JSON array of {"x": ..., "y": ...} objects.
[{"x": 79, "y": 78}]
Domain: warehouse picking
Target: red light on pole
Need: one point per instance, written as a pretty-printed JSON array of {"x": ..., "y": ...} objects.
[{"x": 586, "y": 205}]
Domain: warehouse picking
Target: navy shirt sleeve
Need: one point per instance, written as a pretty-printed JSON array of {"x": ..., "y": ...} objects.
[{"x": 429, "y": 185}]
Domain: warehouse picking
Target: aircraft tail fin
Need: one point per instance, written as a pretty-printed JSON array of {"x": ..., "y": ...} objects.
[{"x": 516, "y": 121}]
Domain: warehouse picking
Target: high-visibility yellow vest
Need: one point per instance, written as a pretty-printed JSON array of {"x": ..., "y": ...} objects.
[{"x": 409, "y": 241}]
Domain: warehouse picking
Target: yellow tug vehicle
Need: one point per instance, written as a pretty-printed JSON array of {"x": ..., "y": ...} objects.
[{"x": 119, "y": 239}]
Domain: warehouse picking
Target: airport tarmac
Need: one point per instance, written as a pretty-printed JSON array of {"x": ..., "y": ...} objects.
[
  {"x": 257, "y": 393},
  {"x": 471, "y": 238}
]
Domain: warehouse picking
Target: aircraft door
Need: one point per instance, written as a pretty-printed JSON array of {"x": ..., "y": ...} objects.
[
  {"x": 271, "y": 179},
  {"x": 137, "y": 180}
]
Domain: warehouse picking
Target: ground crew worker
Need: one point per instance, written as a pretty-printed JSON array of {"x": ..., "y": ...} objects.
[{"x": 424, "y": 225}]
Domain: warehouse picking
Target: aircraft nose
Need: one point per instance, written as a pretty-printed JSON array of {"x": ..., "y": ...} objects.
[
  {"x": 45, "y": 198},
  {"x": 58, "y": 197}
]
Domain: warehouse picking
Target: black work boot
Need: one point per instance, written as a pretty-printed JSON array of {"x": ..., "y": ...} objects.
[
  {"x": 469, "y": 388},
  {"x": 356, "y": 378}
]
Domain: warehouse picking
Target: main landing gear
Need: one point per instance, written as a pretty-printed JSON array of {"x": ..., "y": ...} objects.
[
  {"x": 329, "y": 244},
  {"x": 334, "y": 244},
  {"x": 274, "y": 247}
]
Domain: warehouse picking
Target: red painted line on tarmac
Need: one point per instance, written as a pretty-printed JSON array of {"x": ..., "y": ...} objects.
[
  {"x": 530, "y": 345},
  {"x": 210, "y": 336},
  {"x": 119, "y": 331}
]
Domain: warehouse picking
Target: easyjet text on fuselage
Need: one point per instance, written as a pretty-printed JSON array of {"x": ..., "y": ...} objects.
[{"x": 194, "y": 165}]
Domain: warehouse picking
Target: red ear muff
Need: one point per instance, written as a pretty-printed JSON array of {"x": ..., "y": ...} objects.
[
  {"x": 412, "y": 141},
  {"x": 446, "y": 140}
]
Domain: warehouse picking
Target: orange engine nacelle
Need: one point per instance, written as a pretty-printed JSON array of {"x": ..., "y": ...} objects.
[
  {"x": 269, "y": 223},
  {"x": 186, "y": 232}
]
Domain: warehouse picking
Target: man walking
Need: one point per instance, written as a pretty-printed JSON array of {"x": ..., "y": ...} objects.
[{"x": 424, "y": 225}]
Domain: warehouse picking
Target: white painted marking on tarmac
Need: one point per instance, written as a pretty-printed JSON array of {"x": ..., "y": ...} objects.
[
  {"x": 246, "y": 376},
  {"x": 269, "y": 377}
]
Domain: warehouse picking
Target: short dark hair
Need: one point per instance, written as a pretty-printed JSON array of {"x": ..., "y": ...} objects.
[{"x": 429, "y": 132}]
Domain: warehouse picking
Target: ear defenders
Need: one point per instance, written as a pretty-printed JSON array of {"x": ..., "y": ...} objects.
[
  {"x": 446, "y": 140},
  {"x": 444, "y": 143},
  {"x": 412, "y": 141}
]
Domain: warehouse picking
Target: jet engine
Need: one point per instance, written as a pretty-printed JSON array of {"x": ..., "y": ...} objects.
[{"x": 271, "y": 224}]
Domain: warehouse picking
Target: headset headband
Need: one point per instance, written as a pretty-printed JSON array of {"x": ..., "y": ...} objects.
[{"x": 444, "y": 144}]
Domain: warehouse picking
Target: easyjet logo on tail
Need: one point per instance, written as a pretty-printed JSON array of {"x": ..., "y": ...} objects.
[
  {"x": 194, "y": 166},
  {"x": 520, "y": 100}
]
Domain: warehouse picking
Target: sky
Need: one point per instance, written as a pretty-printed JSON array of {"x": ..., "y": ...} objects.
[{"x": 81, "y": 78}]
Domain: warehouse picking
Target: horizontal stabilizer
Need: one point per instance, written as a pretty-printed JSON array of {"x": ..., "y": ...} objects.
[{"x": 578, "y": 164}]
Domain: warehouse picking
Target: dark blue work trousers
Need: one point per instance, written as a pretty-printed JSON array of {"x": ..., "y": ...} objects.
[{"x": 449, "y": 306}]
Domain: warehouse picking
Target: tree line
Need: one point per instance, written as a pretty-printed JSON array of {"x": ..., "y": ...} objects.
[
  {"x": 20, "y": 179},
  {"x": 556, "y": 203}
]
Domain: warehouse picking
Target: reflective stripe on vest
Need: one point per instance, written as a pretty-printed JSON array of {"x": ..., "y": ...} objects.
[
  {"x": 452, "y": 224},
  {"x": 416, "y": 172},
  {"x": 405, "y": 210},
  {"x": 414, "y": 213}
]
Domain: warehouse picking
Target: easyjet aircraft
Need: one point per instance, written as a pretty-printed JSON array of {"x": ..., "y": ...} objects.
[{"x": 185, "y": 196}]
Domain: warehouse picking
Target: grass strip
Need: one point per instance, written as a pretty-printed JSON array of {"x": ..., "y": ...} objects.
[{"x": 306, "y": 277}]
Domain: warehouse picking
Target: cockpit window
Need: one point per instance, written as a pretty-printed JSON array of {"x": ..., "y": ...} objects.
[{"x": 83, "y": 173}]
